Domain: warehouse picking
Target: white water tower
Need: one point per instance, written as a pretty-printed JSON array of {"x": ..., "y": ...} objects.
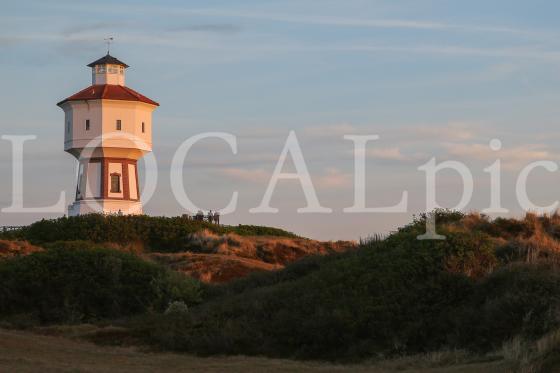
[{"x": 107, "y": 127}]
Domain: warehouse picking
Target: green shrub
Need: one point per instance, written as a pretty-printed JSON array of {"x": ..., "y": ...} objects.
[
  {"x": 394, "y": 296},
  {"x": 292, "y": 272},
  {"x": 160, "y": 234},
  {"x": 518, "y": 300},
  {"x": 256, "y": 230},
  {"x": 390, "y": 296},
  {"x": 81, "y": 284}
]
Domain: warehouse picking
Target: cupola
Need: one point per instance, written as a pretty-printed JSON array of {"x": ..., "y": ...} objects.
[{"x": 108, "y": 70}]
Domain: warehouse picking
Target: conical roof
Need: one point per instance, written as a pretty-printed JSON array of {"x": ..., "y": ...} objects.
[{"x": 107, "y": 59}]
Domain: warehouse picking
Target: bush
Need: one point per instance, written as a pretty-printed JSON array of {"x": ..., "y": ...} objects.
[
  {"x": 518, "y": 300},
  {"x": 390, "y": 296},
  {"x": 177, "y": 308},
  {"x": 474, "y": 290},
  {"x": 256, "y": 230},
  {"x": 160, "y": 234},
  {"x": 260, "y": 279},
  {"x": 82, "y": 284},
  {"x": 398, "y": 296}
]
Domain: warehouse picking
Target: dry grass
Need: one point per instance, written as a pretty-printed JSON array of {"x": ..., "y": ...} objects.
[
  {"x": 217, "y": 258},
  {"x": 9, "y": 249},
  {"x": 26, "y": 352},
  {"x": 212, "y": 268},
  {"x": 531, "y": 357},
  {"x": 530, "y": 239},
  {"x": 269, "y": 249}
]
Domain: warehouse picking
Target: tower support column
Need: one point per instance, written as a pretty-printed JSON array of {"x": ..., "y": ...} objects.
[{"x": 107, "y": 185}]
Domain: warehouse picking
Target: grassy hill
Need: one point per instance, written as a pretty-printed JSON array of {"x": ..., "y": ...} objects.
[
  {"x": 209, "y": 252},
  {"x": 159, "y": 234},
  {"x": 491, "y": 288}
]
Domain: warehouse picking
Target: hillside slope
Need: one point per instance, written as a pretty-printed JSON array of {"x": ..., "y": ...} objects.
[
  {"x": 222, "y": 258},
  {"x": 208, "y": 252},
  {"x": 492, "y": 286},
  {"x": 10, "y": 249}
]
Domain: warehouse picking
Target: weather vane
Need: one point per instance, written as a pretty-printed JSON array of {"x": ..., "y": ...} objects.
[{"x": 109, "y": 40}]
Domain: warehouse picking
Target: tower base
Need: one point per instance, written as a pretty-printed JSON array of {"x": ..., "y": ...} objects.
[{"x": 105, "y": 206}]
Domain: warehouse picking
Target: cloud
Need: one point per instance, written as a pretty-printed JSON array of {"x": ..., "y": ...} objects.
[
  {"x": 337, "y": 130},
  {"x": 511, "y": 157},
  {"x": 219, "y": 28},
  {"x": 93, "y": 26},
  {"x": 140, "y": 37},
  {"x": 333, "y": 179},
  {"x": 254, "y": 176},
  {"x": 358, "y": 22},
  {"x": 391, "y": 154},
  {"x": 308, "y": 19},
  {"x": 262, "y": 133},
  {"x": 6, "y": 41},
  {"x": 454, "y": 50},
  {"x": 454, "y": 131}
]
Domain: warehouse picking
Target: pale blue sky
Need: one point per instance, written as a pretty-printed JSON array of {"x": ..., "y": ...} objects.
[{"x": 432, "y": 78}]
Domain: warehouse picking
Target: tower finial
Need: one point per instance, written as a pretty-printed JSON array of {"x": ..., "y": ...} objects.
[{"x": 109, "y": 40}]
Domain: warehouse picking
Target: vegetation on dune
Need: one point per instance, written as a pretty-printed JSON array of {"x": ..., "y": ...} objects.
[
  {"x": 161, "y": 234},
  {"x": 394, "y": 296},
  {"x": 11, "y": 248},
  {"x": 80, "y": 282},
  {"x": 489, "y": 284}
]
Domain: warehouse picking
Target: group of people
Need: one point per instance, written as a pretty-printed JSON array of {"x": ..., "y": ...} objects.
[{"x": 211, "y": 217}]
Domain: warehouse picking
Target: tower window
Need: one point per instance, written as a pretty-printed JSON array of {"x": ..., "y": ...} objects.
[
  {"x": 115, "y": 183},
  {"x": 143, "y": 127},
  {"x": 119, "y": 125},
  {"x": 87, "y": 124}
]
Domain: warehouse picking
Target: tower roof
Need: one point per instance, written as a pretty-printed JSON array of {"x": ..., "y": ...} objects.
[
  {"x": 107, "y": 59},
  {"x": 108, "y": 92}
]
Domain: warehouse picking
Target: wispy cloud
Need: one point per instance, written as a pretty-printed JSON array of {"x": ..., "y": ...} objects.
[
  {"x": 392, "y": 154},
  {"x": 334, "y": 130},
  {"x": 307, "y": 19},
  {"x": 357, "y": 22},
  {"x": 455, "y": 50},
  {"x": 512, "y": 157},
  {"x": 253, "y": 176},
  {"x": 93, "y": 26},
  {"x": 220, "y": 28},
  {"x": 6, "y": 41},
  {"x": 330, "y": 178},
  {"x": 264, "y": 47},
  {"x": 333, "y": 178},
  {"x": 454, "y": 131}
]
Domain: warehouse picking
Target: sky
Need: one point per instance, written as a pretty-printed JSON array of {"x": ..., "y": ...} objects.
[{"x": 431, "y": 78}]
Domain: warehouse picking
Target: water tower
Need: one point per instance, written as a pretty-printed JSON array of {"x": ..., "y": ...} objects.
[{"x": 107, "y": 127}]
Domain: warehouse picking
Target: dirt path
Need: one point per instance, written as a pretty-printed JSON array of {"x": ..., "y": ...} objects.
[{"x": 26, "y": 352}]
